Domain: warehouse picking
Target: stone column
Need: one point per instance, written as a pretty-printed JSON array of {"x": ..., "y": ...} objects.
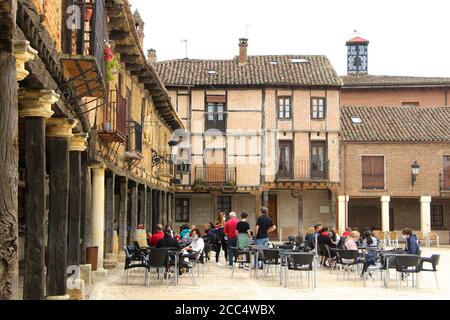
[
  {"x": 123, "y": 215},
  {"x": 169, "y": 208},
  {"x": 300, "y": 214},
  {"x": 35, "y": 106},
  {"x": 160, "y": 208},
  {"x": 425, "y": 214},
  {"x": 134, "y": 211},
  {"x": 142, "y": 205},
  {"x": 333, "y": 209},
  {"x": 173, "y": 208},
  {"x": 76, "y": 147},
  {"x": 59, "y": 131},
  {"x": 343, "y": 212},
  {"x": 385, "y": 213},
  {"x": 23, "y": 53},
  {"x": 109, "y": 219},
  {"x": 98, "y": 213},
  {"x": 86, "y": 205}
]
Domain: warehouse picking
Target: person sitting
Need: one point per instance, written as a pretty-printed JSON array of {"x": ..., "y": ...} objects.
[
  {"x": 344, "y": 236},
  {"x": 412, "y": 243},
  {"x": 325, "y": 239},
  {"x": 168, "y": 241},
  {"x": 197, "y": 245},
  {"x": 369, "y": 241},
  {"x": 184, "y": 232},
  {"x": 309, "y": 238},
  {"x": 152, "y": 240},
  {"x": 170, "y": 229},
  {"x": 350, "y": 242},
  {"x": 334, "y": 236}
]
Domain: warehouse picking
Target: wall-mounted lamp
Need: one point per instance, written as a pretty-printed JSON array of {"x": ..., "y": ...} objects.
[{"x": 415, "y": 169}]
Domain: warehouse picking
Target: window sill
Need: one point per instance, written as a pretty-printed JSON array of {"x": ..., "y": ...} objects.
[{"x": 373, "y": 190}]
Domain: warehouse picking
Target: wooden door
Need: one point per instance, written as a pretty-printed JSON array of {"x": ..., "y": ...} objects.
[
  {"x": 360, "y": 217},
  {"x": 273, "y": 213},
  {"x": 285, "y": 160},
  {"x": 215, "y": 166}
]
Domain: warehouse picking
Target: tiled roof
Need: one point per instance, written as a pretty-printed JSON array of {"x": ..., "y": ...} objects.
[
  {"x": 260, "y": 70},
  {"x": 392, "y": 81},
  {"x": 396, "y": 124}
]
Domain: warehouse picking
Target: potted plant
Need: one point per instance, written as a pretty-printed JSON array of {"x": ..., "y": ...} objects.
[
  {"x": 112, "y": 64},
  {"x": 199, "y": 184},
  {"x": 88, "y": 12}
]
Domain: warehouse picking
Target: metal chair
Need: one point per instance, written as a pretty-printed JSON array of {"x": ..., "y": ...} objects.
[
  {"x": 271, "y": 258},
  {"x": 407, "y": 264},
  {"x": 381, "y": 236},
  {"x": 241, "y": 257},
  {"x": 157, "y": 259},
  {"x": 301, "y": 263},
  {"x": 433, "y": 237},
  {"x": 133, "y": 262},
  {"x": 434, "y": 260},
  {"x": 347, "y": 259}
]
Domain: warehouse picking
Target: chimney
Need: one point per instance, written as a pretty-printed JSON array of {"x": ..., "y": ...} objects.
[
  {"x": 243, "y": 45},
  {"x": 151, "y": 56},
  {"x": 139, "y": 24}
]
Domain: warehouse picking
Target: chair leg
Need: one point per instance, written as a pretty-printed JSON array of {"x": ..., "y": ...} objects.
[
  {"x": 192, "y": 277},
  {"x": 399, "y": 284},
  {"x": 436, "y": 279}
]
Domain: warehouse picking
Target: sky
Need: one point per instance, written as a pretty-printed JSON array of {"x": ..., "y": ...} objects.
[{"x": 409, "y": 38}]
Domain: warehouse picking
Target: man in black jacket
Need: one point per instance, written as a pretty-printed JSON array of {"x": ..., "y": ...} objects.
[
  {"x": 325, "y": 239},
  {"x": 168, "y": 241}
]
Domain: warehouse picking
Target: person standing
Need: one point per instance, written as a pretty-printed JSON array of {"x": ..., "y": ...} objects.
[
  {"x": 230, "y": 233},
  {"x": 219, "y": 229},
  {"x": 243, "y": 231},
  {"x": 264, "y": 226}
]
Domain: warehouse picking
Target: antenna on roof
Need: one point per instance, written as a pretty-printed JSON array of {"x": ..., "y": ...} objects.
[{"x": 185, "y": 47}]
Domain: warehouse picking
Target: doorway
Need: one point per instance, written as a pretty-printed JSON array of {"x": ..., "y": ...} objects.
[{"x": 273, "y": 214}]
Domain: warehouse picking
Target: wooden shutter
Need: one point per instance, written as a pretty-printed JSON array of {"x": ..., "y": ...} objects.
[{"x": 373, "y": 172}]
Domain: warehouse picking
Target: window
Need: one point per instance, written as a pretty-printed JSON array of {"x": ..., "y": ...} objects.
[
  {"x": 446, "y": 172},
  {"x": 373, "y": 172},
  {"x": 437, "y": 216},
  {"x": 184, "y": 167},
  {"x": 182, "y": 210},
  {"x": 318, "y": 107},
  {"x": 284, "y": 107},
  {"x": 224, "y": 204},
  {"x": 215, "y": 113},
  {"x": 285, "y": 160},
  {"x": 319, "y": 161}
]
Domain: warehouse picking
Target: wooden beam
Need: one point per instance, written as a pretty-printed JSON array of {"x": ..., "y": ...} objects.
[
  {"x": 73, "y": 256},
  {"x": 130, "y": 58},
  {"x": 118, "y": 35},
  {"x": 9, "y": 153},
  {"x": 149, "y": 210},
  {"x": 142, "y": 72},
  {"x": 134, "y": 211},
  {"x": 85, "y": 204},
  {"x": 58, "y": 215},
  {"x": 126, "y": 49},
  {"x": 109, "y": 213},
  {"x": 123, "y": 213},
  {"x": 149, "y": 81},
  {"x": 133, "y": 66},
  {"x": 35, "y": 200}
]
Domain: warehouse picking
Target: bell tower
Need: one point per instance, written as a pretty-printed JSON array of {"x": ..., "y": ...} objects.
[{"x": 357, "y": 56}]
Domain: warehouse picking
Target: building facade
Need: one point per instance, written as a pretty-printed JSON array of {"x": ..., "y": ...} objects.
[{"x": 262, "y": 130}]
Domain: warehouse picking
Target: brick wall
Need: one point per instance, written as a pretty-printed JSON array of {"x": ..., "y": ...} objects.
[
  {"x": 393, "y": 97},
  {"x": 398, "y": 160}
]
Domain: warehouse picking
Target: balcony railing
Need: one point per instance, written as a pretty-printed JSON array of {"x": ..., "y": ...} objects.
[
  {"x": 302, "y": 170},
  {"x": 216, "y": 175},
  {"x": 82, "y": 46},
  {"x": 114, "y": 128}
]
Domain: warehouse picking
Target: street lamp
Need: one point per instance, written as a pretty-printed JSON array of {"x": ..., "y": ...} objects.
[{"x": 415, "y": 169}]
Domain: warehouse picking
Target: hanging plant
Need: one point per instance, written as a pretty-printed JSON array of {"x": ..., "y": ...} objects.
[{"x": 111, "y": 63}]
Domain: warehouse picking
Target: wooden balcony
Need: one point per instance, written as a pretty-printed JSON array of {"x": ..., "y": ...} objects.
[
  {"x": 114, "y": 127},
  {"x": 219, "y": 176},
  {"x": 82, "y": 45}
]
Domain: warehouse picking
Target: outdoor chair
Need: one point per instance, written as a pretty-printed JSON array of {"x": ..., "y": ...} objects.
[
  {"x": 433, "y": 237},
  {"x": 407, "y": 264},
  {"x": 197, "y": 260},
  {"x": 421, "y": 238},
  {"x": 241, "y": 257},
  {"x": 346, "y": 260},
  {"x": 434, "y": 261},
  {"x": 158, "y": 259},
  {"x": 331, "y": 254},
  {"x": 138, "y": 248},
  {"x": 133, "y": 262},
  {"x": 298, "y": 241},
  {"x": 381, "y": 236},
  {"x": 271, "y": 259},
  {"x": 301, "y": 263},
  {"x": 286, "y": 246},
  {"x": 392, "y": 237}
]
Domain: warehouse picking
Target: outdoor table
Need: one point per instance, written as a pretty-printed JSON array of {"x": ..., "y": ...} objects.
[
  {"x": 284, "y": 255},
  {"x": 254, "y": 249}
]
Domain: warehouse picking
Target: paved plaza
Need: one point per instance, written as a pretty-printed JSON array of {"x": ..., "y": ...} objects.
[{"x": 217, "y": 284}]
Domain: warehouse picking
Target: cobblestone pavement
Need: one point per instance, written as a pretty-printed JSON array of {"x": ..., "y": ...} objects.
[{"x": 217, "y": 284}]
